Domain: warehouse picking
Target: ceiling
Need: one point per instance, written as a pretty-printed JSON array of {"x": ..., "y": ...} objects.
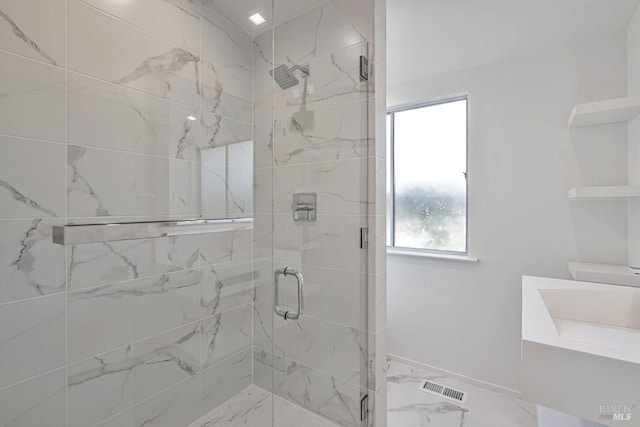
[
  {"x": 432, "y": 37},
  {"x": 240, "y": 10}
]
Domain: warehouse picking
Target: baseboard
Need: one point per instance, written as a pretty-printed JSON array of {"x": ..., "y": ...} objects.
[{"x": 469, "y": 380}]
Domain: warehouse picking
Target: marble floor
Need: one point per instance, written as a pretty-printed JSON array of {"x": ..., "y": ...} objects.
[
  {"x": 255, "y": 406},
  {"x": 407, "y": 406}
]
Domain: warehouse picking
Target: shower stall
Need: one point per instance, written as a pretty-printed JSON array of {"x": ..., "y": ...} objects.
[{"x": 192, "y": 213}]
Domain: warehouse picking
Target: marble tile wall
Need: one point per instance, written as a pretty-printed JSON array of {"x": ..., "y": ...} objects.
[
  {"x": 122, "y": 111},
  {"x": 317, "y": 137},
  {"x": 139, "y": 111}
]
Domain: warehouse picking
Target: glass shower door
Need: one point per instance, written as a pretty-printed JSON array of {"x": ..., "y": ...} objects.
[{"x": 312, "y": 163}]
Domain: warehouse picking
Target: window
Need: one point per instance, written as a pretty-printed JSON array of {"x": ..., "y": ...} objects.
[{"x": 427, "y": 177}]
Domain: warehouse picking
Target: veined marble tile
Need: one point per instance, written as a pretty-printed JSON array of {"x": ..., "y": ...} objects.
[
  {"x": 377, "y": 364},
  {"x": 240, "y": 155},
  {"x": 336, "y": 295},
  {"x": 378, "y": 412},
  {"x": 332, "y": 241},
  {"x": 146, "y": 124},
  {"x": 225, "y": 334},
  {"x": 153, "y": 185},
  {"x": 264, "y": 235},
  {"x": 319, "y": 32},
  {"x": 269, "y": 371},
  {"x": 341, "y": 186},
  {"x": 38, "y": 402},
  {"x": 411, "y": 377},
  {"x": 105, "y": 385},
  {"x": 217, "y": 248},
  {"x": 412, "y": 407},
  {"x": 218, "y": 131},
  {"x": 269, "y": 100},
  {"x": 240, "y": 192},
  {"x": 264, "y": 56},
  {"x": 171, "y": 408},
  {"x": 30, "y": 263},
  {"x": 377, "y": 171},
  {"x": 269, "y": 330},
  {"x": 254, "y": 406},
  {"x": 225, "y": 379},
  {"x": 263, "y": 280},
  {"x": 225, "y": 44},
  {"x": 334, "y": 399},
  {"x": 337, "y": 350},
  {"x": 226, "y": 93},
  {"x": 287, "y": 414},
  {"x": 225, "y": 286},
  {"x": 31, "y": 178},
  {"x": 32, "y": 337},
  {"x": 334, "y": 80},
  {"x": 251, "y": 407},
  {"x": 177, "y": 21},
  {"x": 35, "y": 29},
  {"x": 378, "y": 299},
  {"x": 378, "y": 253},
  {"x": 341, "y": 132},
  {"x": 131, "y": 311},
  {"x": 264, "y": 182},
  {"x": 269, "y": 144},
  {"x": 131, "y": 57},
  {"x": 94, "y": 264},
  {"x": 32, "y": 98},
  {"x": 185, "y": 188},
  {"x": 215, "y": 189},
  {"x": 490, "y": 409},
  {"x": 227, "y": 192}
]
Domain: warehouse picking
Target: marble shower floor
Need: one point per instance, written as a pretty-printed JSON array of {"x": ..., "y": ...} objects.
[
  {"x": 407, "y": 406},
  {"x": 253, "y": 407}
]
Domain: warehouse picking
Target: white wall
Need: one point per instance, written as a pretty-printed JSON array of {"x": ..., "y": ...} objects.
[{"x": 466, "y": 318}]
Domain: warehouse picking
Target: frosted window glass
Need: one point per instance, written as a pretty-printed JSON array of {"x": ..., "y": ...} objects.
[{"x": 430, "y": 159}]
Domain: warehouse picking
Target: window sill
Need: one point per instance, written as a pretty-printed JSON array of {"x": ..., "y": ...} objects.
[{"x": 431, "y": 255}]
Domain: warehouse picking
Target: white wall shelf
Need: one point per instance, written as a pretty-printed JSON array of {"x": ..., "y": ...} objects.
[
  {"x": 604, "y": 273},
  {"x": 604, "y": 193},
  {"x": 604, "y": 112}
]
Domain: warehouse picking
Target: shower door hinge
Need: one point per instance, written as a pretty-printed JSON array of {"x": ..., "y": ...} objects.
[
  {"x": 364, "y": 68},
  {"x": 364, "y": 407},
  {"x": 364, "y": 238}
]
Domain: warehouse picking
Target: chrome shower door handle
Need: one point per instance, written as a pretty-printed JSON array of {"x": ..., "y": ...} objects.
[{"x": 286, "y": 314}]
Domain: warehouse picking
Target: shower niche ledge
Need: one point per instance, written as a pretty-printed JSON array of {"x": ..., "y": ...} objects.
[{"x": 605, "y": 112}]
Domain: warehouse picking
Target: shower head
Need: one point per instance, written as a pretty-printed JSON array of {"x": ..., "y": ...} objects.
[{"x": 284, "y": 76}]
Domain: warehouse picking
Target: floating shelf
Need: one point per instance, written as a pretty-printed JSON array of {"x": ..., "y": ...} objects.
[
  {"x": 604, "y": 273},
  {"x": 603, "y": 193},
  {"x": 604, "y": 112}
]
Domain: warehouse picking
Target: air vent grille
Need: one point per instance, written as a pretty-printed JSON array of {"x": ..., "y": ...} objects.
[{"x": 443, "y": 391}]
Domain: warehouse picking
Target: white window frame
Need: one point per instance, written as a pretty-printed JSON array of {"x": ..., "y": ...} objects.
[{"x": 430, "y": 253}]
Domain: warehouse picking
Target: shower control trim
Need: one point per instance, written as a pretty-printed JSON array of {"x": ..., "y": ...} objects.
[
  {"x": 304, "y": 207},
  {"x": 286, "y": 314}
]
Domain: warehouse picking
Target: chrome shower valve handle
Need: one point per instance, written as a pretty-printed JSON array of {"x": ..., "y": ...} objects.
[{"x": 286, "y": 314}]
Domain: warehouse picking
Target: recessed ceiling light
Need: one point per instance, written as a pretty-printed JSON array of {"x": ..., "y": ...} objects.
[
  {"x": 192, "y": 118},
  {"x": 257, "y": 19}
]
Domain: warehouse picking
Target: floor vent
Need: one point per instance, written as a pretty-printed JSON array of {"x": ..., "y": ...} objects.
[{"x": 443, "y": 391}]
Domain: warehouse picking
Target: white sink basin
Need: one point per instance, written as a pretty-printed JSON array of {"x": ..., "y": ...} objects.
[{"x": 581, "y": 347}]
